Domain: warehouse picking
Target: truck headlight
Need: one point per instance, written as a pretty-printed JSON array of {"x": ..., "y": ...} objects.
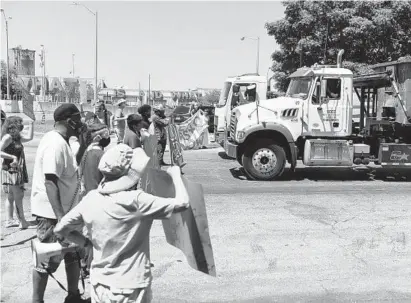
[{"x": 240, "y": 135}]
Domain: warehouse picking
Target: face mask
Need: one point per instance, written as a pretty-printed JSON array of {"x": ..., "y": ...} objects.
[
  {"x": 104, "y": 142},
  {"x": 78, "y": 127}
]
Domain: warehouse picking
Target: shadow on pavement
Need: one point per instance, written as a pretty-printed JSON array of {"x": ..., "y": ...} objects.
[
  {"x": 334, "y": 174},
  {"x": 20, "y": 242},
  {"x": 224, "y": 156}
]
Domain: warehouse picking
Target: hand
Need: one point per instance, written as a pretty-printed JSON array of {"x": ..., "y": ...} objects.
[
  {"x": 144, "y": 134},
  {"x": 15, "y": 162},
  {"x": 88, "y": 250},
  {"x": 174, "y": 171}
]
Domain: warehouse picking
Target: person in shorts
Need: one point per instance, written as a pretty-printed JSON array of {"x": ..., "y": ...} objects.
[
  {"x": 118, "y": 218},
  {"x": 54, "y": 192}
]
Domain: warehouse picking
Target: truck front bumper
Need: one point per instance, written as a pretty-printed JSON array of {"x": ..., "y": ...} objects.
[{"x": 230, "y": 149}]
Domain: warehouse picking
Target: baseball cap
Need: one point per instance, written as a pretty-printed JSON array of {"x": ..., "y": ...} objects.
[{"x": 65, "y": 111}]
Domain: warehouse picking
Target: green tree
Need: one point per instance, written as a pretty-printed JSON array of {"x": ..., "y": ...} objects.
[
  {"x": 314, "y": 31},
  {"x": 210, "y": 97},
  {"x": 14, "y": 86}
]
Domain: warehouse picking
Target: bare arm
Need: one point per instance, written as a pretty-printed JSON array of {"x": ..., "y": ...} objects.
[
  {"x": 161, "y": 122},
  {"x": 6, "y": 141},
  {"x": 30, "y": 133},
  {"x": 181, "y": 200},
  {"x": 53, "y": 195}
]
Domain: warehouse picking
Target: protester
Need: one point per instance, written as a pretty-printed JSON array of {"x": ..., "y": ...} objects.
[
  {"x": 101, "y": 113},
  {"x": 97, "y": 138},
  {"x": 158, "y": 127},
  {"x": 145, "y": 112},
  {"x": 119, "y": 218},
  {"x": 194, "y": 107},
  {"x": 3, "y": 117},
  {"x": 132, "y": 136},
  {"x": 14, "y": 170},
  {"x": 54, "y": 192},
  {"x": 119, "y": 120}
]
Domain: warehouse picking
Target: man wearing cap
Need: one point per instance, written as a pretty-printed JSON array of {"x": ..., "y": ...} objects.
[
  {"x": 159, "y": 124},
  {"x": 54, "y": 192},
  {"x": 119, "y": 218},
  {"x": 132, "y": 136},
  {"x": 119, "y": 120}
]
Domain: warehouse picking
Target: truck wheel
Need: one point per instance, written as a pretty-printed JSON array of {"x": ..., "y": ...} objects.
[
  {"x": 264, "y": 161},
  {"x": 240, "y": 159}
]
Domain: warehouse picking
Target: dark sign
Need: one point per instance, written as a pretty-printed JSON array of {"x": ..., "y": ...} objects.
[{"x": 176, "y": 151}]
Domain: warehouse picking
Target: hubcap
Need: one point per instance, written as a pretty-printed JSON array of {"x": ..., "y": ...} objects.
[{"x": 264, "y": 161}]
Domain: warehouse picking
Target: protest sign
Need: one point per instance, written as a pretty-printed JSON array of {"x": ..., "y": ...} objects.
[
  {"x": 191, "y": 131},
  {"x": 150, "y": 148},
  {"x": 187, "y": 230},
  {"x": 27, "y": 102},
  {"x": 176, "y": 151}
]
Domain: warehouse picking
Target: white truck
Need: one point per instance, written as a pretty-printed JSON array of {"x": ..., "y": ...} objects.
[{"x": 314, "y": 122}]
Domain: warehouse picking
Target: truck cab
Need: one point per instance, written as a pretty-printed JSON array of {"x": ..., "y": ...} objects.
[
  {"x": 237, "y": 91},
  {"x": 312, "y": 122}
]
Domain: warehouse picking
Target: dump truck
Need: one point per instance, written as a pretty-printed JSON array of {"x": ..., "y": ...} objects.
[{"x": 314, "y": 123}]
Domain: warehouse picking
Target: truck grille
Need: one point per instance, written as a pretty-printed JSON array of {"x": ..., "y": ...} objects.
[
  {"x": 290, "y": 112},
  {"x": 233, "y": 125}
]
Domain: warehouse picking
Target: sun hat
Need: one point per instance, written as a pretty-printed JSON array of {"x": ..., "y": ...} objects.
[
  {"x": 122, "y": 168},
  {"x": 120, "y": 102},
  {"x": 158, "y": 107}
]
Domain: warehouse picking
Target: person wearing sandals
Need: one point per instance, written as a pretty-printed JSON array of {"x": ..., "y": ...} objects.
[
  {"x": 14, "y": 171},
  {"x": 119, "y": 120}
]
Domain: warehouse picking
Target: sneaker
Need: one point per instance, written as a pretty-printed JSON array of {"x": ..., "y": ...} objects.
[
  {"x": 10, "y": 223},
  {"x": 76, "y": 299}
]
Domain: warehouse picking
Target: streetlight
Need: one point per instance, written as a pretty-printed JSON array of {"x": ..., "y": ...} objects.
[
  {"x": 95, "y": 72},
  {"x": 7, "y": 53},
  {"x": 258, "y": 49}
]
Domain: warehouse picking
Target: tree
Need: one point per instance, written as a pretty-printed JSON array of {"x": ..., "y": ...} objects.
[
  {"x": 14, "y": 87},
  {"x": 211, "y": 97},
  {"x": 370, "y": 32}
]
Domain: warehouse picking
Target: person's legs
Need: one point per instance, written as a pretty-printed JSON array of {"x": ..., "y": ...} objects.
[
  {"x": 39, "y": 286},
  {"x": 18, "y": 193},
  {"x": 9, "y": 206},
  {"x": 72, "y": 272},
  {"x": 161, "y": 147}
]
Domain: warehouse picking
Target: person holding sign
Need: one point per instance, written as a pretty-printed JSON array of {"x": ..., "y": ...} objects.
[
  {"x": 158, "y": 127},
  {"x": 118, "y": 218}
]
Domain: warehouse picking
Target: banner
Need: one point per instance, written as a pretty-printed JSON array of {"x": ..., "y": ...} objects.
[
  {"x": 28, "y": 109},
  {"x": 188, "y": 230},
  {"x": 191, "y": 132},
  {"x": 176, "y": 151}
]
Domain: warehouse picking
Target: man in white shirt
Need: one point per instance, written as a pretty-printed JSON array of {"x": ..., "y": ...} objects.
[
  {"x": 54, "y": 192},
  {"x": 118, "y": 219}
]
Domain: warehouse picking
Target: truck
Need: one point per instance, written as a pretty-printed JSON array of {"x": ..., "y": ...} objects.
[
  {"x": 251, "y": 85},
  {"x": 314, "y": 123}
]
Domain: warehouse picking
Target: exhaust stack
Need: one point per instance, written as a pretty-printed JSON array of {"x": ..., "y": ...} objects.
[{"x": 339, "y": 58}]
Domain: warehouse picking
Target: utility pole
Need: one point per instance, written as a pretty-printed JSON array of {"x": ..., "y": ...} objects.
[
  {"x": 7, "y": 53},
  {"x": 149, "y": 88},
  {"x": 72, "y": 63},
  {"x": 43, "y": 66},
  {"x": 258, "y": 50}
]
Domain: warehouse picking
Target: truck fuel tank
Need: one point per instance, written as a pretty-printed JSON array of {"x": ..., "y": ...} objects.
[{"x": 322, "y": 152}]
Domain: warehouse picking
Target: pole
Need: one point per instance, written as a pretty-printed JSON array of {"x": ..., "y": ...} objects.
[
  {"x": 149, "y": 88},
  {"x": 139, "y": 94},
  {"x": 7, "y": 55},
  {"x": 258, "y": 53},
  {"x": 72, "y": 62},
  {"x": 95, "y": 75}
]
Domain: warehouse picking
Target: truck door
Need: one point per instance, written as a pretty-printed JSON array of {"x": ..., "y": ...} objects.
[{"x": 327, "y": 110}]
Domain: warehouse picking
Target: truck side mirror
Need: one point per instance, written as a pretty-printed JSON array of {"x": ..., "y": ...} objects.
[{"x": 323, "y": 88}]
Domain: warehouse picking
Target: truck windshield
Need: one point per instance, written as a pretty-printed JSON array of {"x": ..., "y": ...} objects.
[
  {"x": 299, "y": 88},
  {"x": 224, "y": 94}
]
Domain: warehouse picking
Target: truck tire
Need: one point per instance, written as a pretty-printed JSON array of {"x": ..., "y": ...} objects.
[{"x": 264, "y": 160}]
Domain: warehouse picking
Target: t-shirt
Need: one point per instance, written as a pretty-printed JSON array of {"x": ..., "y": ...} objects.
[
  {"x": 119, "y": 225},
  {"x": 131, "y": 139},
  {"x": 53, "y": 156},
  {"x": 121, "y": 125},
  {"x": 91, "y": 175}
]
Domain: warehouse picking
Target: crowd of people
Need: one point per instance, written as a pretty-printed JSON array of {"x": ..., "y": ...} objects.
[{"x": 87, "y": 195}]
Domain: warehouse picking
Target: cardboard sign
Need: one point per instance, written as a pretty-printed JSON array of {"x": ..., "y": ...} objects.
[
  {"x": 188, "y": 230},
  {"x": 190, "y": 132},
  {"x": 176, "y": 151},
  {"x": 27, "y": 102},
  {"x": 150, "y": 148}
]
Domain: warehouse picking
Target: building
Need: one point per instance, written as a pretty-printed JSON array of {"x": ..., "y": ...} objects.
[{"x": 23, "y": 61}]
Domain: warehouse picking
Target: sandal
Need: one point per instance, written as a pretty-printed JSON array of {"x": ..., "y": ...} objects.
[{"x": 10, "y": 223}]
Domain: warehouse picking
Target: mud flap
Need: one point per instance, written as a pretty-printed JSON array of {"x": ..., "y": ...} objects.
[{"x": 395, "y": 155}]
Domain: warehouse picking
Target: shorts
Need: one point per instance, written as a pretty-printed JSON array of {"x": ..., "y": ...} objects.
[
  {"x": 45, "y": 234},
  {"x": 100, "y": 293}
]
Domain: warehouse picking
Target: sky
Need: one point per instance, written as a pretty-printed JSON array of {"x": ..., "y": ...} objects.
[{"x": 183, "y": 45}]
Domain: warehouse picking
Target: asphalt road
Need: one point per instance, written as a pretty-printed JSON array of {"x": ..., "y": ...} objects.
[{"x": 318, "y": 235}]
